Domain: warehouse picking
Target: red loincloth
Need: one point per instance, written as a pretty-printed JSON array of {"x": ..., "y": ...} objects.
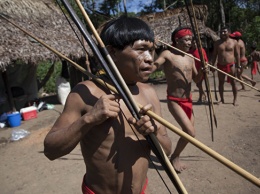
[
  {"x": 86, "y": 190},
  {"x": 184, "y": 103},
  {"x": 145, "y": 186},
  {"x": 196, "y": 54},
  {"x": 254, "y": 68},
  {"x": 226, "y": 68}
]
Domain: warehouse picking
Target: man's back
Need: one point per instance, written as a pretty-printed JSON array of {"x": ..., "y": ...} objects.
[
  {"x": 242, "y": 48},
  {"x": 255, "y": 55}
]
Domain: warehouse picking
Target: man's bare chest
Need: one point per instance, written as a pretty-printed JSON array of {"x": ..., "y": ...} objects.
[{"x": 226, "y": 47}]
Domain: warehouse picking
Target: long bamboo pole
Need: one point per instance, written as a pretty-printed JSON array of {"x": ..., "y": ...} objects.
[
  {"x": 199, "y": 45},
  {"x": 209, "y": 65},
  {"x": 251, "y": 178}
]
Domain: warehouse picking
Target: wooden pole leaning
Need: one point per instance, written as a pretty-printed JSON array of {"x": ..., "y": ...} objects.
[
  {"x": 251, "y": 178},
  {"x": 199, "y": 45},
  {"x": 213, "y": 67}
]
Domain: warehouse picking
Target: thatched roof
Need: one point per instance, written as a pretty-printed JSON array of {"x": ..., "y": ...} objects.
[
  {"x": 43, "y": 19},
  {"x": 163, "y": 23}
]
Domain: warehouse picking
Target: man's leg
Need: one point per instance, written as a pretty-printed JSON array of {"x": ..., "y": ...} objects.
[
  {"x": 233, "y": 84},
  {"x": 248, "y": 79},
  {"x": 187, "y": 127},
  {"x": 240, "y": 76},
  {"x": 221, "y": 79},
  {"x": 202, "y": 96},
  {"x": 245, "y": 77}
]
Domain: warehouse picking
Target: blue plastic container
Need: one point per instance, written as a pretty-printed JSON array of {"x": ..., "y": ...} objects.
[{"x": 14, "y": 119}]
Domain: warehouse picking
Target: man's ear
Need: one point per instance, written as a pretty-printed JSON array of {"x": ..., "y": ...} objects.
[
  {"x": 112, "y": 51},
  {"x": 176, "y": 40}
]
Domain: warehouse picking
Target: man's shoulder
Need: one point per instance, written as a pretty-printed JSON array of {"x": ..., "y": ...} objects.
[
  {"x": 88, "y": 87},
  {"x": 86, "y": 83},
  {"x": 218, "y": 41},
  {"x": 233, "y": 41},
  {"x": 148, "y": 91},
  {"x": 146, "y": 88},
  {"x": 166, "y": 52},
  {"x": 241, "y": 41},
  {"x": 144, "y": 85}
]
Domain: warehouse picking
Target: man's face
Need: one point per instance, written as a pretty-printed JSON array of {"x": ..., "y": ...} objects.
[
  {"x": 184, "y": 43},
  {"x": 135, "y": 61},
  {"x": 224, "y": 33}
]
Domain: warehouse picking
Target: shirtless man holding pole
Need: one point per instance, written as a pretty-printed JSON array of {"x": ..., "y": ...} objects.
[
  {"x": 113, "y": 143},
  {"x": 226, "y": 52},
  {"x": 180, "y": 70}
]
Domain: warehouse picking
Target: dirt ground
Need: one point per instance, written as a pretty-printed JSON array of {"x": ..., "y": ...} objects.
[{"x": 24, "y": 168}]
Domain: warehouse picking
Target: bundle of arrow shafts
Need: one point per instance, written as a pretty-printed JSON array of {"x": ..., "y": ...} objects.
[{"x": 122, "y": 89}]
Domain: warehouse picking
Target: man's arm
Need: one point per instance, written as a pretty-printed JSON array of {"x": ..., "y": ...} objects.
[
  {"x": 197, "y": 74},
  {"x": 161, "y": 133},
  {"x": 215, "y": 53},
  {"x": 71, "y": 126},
  {"x": 160, "y": 60},
  {"x": 237, "y": 54}
]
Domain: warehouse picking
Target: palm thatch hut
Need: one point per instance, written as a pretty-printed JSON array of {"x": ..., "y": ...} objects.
[
  {"x": 164, "y": 23},
  {"x": 43, "y": 19}
]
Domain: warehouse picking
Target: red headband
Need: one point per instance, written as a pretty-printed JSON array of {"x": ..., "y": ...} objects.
[
  {"x": 182, "y": 33},
  {"x": 235, "y": 34}
]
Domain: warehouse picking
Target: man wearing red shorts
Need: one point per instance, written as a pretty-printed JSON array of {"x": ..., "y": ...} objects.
[
  {"x": 179, "y": 71},
  {"x": 243, "y": 60},
  {"x": 255, "y": 58},
  {"x": 195, "y": 52},
  {"x": 226, "y": 52}
]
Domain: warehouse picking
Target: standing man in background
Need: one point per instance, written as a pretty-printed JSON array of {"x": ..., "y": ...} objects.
[
  {"x": 243, "y": 60},
  {"x": 255, "y": 58},
  {"x": 195, "y": 52},
  {"x": 226, "y": 53}
]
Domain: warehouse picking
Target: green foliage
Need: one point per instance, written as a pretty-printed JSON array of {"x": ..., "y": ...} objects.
[
  {"x": 253, "y": 32},
  {"x": 42, "y": 70},
  {"x": 157, "y": 74}
]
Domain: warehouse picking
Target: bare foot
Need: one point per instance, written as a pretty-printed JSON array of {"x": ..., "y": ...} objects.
[
  {"x": 177, "y": 165},
  {"x": 253, "y": 83},
  {"x": 235, "y": 104},
  {"x": 221, "y": 101},
  {"x": 204, "y": 98},
  {"x": 243, "y": 88}
]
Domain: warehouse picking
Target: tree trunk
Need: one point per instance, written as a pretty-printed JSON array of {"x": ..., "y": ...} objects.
[
  {"x": 222, "y": 13},
  {"x": 125, "y": 7}
]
